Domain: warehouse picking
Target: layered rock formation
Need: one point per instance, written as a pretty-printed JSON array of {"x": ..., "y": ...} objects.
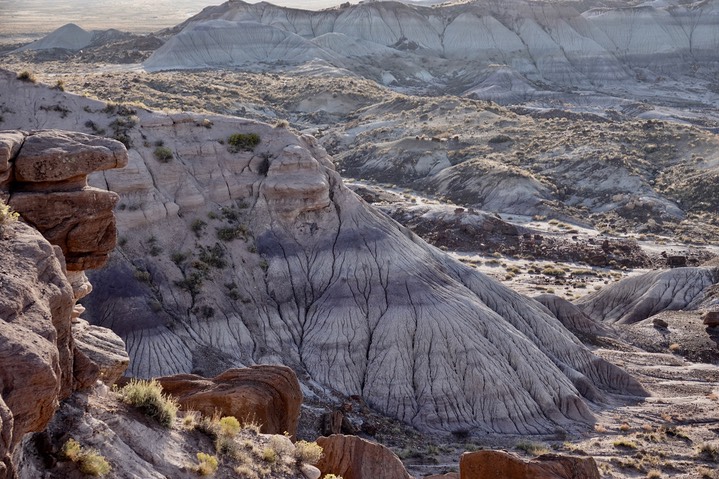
[
  {"x": 515, "y": 46},
  {"x": 49, "y": 188},
  {"x": 269, "y": 396},
  {"x": 35, "y": 340},
  {"x": 41, "y": 362},
  {"x": 264, "y": 256}
]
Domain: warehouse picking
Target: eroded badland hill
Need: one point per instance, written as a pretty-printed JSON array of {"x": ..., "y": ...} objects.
[{"x": 462, "y": 226}]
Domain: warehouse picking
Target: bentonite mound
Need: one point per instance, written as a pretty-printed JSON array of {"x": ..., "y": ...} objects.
[
  {"x": 231, "y": 257},
  {"x": 640, "y": 297},
  {"x": 533, "y": 43},
  {"x": 573, "y": 318}
]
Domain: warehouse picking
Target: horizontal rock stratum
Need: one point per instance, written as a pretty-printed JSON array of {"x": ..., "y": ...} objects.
[
  {"x": 490, "y": 42},
  {"x": 236, "y": 258}
]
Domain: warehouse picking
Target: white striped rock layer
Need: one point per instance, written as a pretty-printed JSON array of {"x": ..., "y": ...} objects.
[{"x": 255, "y": 257}]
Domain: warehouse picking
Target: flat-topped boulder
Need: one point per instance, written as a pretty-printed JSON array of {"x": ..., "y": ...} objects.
[
  {"x": 54, "y": 156},
  {"x": 44, "y": 174}
]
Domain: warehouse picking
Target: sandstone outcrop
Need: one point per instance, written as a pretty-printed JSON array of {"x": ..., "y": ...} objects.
[
  {"x": 266, "y": 395},
  {"x": 100, "y": 351},
  {"x": 711, "y": 318},
  {"x": 35, "y": 340},
  {"x": 50, "y": 190},
  {"x": 355, "y": 458},
  {"x": 40, "y": 362},
  {"x": 495, "y": 464}
]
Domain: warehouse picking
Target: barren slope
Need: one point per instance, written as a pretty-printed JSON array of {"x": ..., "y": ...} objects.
[{"x": 260, "y": 256}]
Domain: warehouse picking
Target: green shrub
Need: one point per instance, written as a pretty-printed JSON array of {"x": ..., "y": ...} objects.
[
  {"x": 60, "y": 85},
  {"x": 163, "y": 154},
  {"x": 71, "y": 450},
  {"x": 308, "y": 452},
  {"x": 269, "y": 455},
  {"x": 213, "y": 256},
  {"x": 197, "y": 227},
  {"x": 243, "y": 141},
  {"x": 26, "y": 76},
  {"x": 192, "y": 283},
  {"x": 147, "y": 396},
  {"x": 207, "y": 464},
  {"x": 231, "y": 233},
  {"x": 178, "y": 257}
]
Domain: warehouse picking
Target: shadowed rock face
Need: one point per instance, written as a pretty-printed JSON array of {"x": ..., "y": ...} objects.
[{"x": 35, "y": 340}]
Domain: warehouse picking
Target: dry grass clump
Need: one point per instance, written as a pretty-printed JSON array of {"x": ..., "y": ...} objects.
[
  {"x": 707, "y": 473},
  {"x": 624, "y": 443},
  {"x": 7, "y": 215},
  {"x": 207, "y": 464},
  {"x": 709, "y": 451},
  {"x": 89, "y": 461},
  {"x": 534, "y": 448},
  {"x": 26, "y": 76},
  {"x": 308, "y": 452},
  {"x": 148, "y": 397}
]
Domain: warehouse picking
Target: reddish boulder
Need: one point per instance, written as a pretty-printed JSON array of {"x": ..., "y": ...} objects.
[
  {"x": 268, "y": 395},
  {"x": 56, "y": 156},
  {"x": 711, "y": 318},
  {"x": 495, "y": 464},
  {"x": 45, "y": 175},
  {"x": 10, "y": 142},
  {"x": 355, "y": 458},
  {"x": 80, "y": 222},
  {"x": 35, "y": 339}
]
